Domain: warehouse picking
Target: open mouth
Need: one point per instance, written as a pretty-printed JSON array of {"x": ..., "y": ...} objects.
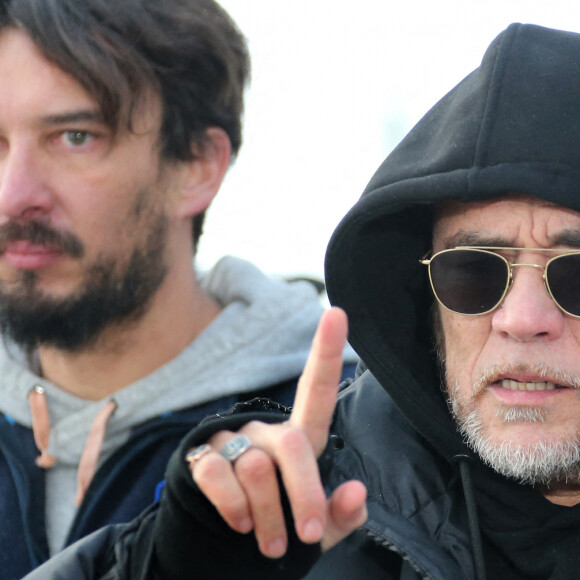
[{"x": 514, "y": 385}]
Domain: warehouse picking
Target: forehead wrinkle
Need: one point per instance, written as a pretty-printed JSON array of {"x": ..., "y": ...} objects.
[{"x": 520, "y": 223}]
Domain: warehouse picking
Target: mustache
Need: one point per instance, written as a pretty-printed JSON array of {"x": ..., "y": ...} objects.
[
  {"x": 541, "y": 369},
  {"x": 39, "y": 233}
]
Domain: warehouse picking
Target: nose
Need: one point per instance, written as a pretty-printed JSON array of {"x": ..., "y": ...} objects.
[
  {"x": 24, "y": 192},
  {"x": 528, "y": 312}
]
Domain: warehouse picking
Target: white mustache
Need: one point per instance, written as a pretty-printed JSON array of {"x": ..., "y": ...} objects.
[{"x": 541, "y": 369}]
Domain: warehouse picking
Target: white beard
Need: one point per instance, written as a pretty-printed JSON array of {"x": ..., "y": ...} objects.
[{"x": 542, "y": 463}]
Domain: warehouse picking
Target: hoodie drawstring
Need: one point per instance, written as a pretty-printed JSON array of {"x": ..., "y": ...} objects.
[
  {"x": 40, "y": 426},
  {"x": 91, "y": 450},
  {"x": 472, "y": 517}
]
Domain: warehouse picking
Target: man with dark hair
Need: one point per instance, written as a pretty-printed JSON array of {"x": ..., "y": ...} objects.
[{"x": 118, "y": 121}]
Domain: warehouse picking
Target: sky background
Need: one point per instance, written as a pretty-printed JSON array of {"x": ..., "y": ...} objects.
[{"x": 335, "y": 85}]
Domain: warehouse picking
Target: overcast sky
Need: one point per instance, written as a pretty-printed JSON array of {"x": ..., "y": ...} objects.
[{"x": 335, "y": 85}]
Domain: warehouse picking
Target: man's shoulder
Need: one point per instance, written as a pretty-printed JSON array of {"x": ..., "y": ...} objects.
[
  {"x": 114, "y": 551},
  {"x": 373, "y": 441},
  {"x": 410, "y": 486}
]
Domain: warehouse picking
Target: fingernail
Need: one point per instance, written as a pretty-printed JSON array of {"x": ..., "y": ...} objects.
[
  {"x": 276, "y": 547},
  {"x": 245, "y": 525},
  {"x": 312, "y": 531}
]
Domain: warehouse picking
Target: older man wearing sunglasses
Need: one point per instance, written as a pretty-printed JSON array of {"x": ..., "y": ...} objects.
[{"x": 456, "y": 455}]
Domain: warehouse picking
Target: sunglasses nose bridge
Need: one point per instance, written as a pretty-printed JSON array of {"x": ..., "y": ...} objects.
[{"x": 531, "y": 265}]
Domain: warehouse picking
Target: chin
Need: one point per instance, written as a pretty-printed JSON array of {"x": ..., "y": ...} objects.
[{"x": 529, "y": 452}]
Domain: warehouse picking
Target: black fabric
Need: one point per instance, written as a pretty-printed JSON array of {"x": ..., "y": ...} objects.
[
  {"x": 188, "y": 526},
  {"x": 525, "y": 535},
  {"x": 116, "y": 552},
  {"x": 96, "y": 560},
  {"x": 419, "y": 517},
  {"x": 415, "y": 497},
  {"x": 23, "y": 543}
]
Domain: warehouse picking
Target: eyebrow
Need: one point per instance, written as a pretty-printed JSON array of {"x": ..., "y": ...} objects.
[
  {"x": 568, "y": 237},
  {"x": 82, "y": 115},
  {"x": 462, "y": 238}
]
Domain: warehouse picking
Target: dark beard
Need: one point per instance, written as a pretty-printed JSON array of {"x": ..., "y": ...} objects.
[{"x": 107, "y": 297}]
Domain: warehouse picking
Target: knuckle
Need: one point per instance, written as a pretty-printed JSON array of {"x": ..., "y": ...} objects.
[
  {"x": 252, "y": 425},
  {"x": 231, "y": 507},
  {"x": 219, "y": 439},
  {"x": 254, "y": 465},
  {"x": 211, "y": 468},
  {"x": 292, "y": 441}
]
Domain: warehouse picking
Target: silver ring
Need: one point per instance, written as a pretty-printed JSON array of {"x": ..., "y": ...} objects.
[{"x": 235, "y": 447}]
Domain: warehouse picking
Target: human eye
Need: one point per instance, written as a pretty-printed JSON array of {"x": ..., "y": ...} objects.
[{"x": 75, "y": 138}]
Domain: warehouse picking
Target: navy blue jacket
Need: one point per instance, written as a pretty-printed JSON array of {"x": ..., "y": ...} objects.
[{"x": 122, "y": 488}]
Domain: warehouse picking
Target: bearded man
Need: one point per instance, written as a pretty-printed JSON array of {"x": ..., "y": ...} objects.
[{"x": 118, "y": 122}]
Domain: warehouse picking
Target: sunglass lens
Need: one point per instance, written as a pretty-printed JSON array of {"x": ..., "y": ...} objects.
[
  {"x": 563, "y": 275},
  {"x": 469, "y": 281}
]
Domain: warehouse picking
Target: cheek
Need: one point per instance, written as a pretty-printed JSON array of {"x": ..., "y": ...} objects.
[
  {"x": 113, "y": 187},
  {"x": 465, "y": 340},
  {"x": 120, "y": 209},
  {"x": 574, "y": 327}
]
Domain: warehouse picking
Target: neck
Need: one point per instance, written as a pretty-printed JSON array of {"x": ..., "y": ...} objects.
[
  {"x": 123, "y": 354},
  {"x": 565, "y": 496}
]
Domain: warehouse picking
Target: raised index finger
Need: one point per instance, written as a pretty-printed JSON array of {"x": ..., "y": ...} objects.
[{"x": 317, "y": 387}]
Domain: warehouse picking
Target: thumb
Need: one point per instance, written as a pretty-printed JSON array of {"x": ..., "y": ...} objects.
[{"x": 347, "y": 510}]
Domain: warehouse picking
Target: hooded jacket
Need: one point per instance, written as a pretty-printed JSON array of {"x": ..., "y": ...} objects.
[
  {"x": 511, "y": 126},
  {"x": 435, "y": 511}
]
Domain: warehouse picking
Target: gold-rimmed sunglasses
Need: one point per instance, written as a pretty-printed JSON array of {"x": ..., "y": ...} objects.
[{"x": 474, "y": 280}]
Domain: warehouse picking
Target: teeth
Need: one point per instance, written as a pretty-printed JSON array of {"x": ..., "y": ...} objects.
[{"x": 521, "y": 386}]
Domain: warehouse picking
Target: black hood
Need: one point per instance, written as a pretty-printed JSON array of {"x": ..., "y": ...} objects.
[{"x": 511, "y": 126}]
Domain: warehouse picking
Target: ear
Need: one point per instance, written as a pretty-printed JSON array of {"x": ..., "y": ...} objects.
[{"x": 204, "y": 175}]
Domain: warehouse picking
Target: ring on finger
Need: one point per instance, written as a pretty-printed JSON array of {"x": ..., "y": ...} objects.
[
  {"x": 196, "y": 453},
  {"x": 235, "y": 447}
]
